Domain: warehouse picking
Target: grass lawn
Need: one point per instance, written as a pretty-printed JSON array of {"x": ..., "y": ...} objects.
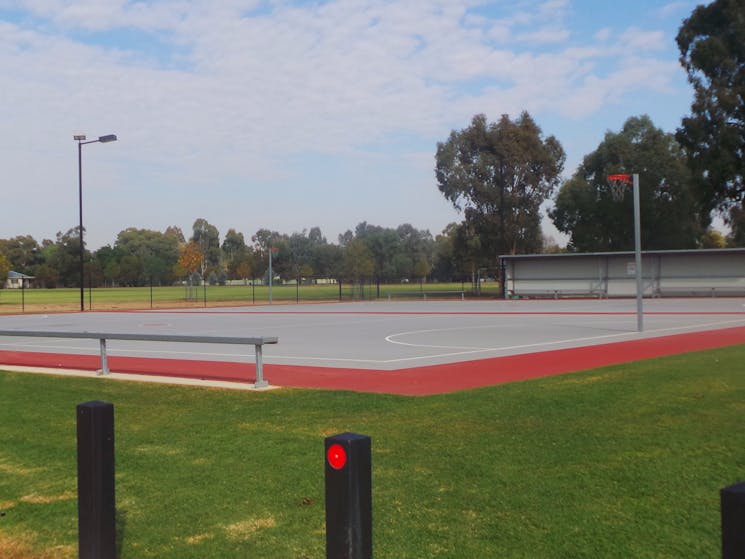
[
  {"x": 68, "y": 299},
  {"x": 625, "y": 461}
]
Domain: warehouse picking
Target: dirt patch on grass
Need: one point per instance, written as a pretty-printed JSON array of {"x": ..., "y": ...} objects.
[
  {"x": 44, "y": 499},
  {"x": 245, "y": 529},
  {"x": 199, "y": 538},
  {"x": 14, "y": 469},
  {"x": 20, "y": 548}
]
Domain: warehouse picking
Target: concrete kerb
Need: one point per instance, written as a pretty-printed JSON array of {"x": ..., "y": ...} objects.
[{"x": 178, "y": 381}]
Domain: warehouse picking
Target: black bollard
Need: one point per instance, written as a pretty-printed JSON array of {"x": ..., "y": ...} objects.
[
  {"x": 96, "y": 506},
  {"x": 733, "y": 521},
  {"x": 348, "y": 497}
]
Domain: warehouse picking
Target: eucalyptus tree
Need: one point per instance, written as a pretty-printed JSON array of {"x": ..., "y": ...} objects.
[
  {"x": 146, "y": 256},
  {"x": 328, "y": 261},
  {"x": 4, "y": 269},
  {"x": 498, "y": 175},
  {"x": 358, "y": 263},
  {"x": 233, "y": 245},
  {"x": 383, "y": 245},
  {"x": 63, "y": 256},
  {"x": 266, "y": 241},
  {"x": 712, "y": 51},
  {"x": 207, "y": 237},
  {"x": 459, "y": 255},
  {"x": 237, "y": 256},
  {"x": 22, "y": 252},
  {"x": 417, "y": 252},
  {"x": 586, "y": 210}
]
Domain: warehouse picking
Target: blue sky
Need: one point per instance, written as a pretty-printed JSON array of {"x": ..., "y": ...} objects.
[{"x": 287, "y": 115}]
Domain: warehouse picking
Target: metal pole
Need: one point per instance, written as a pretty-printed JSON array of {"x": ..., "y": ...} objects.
[
  {"x": 96, "y": 499},
  {"x": 348, "y": 476},
  {"x": 732, "y": 505},
  {"x": 104, "y": 357},
  {"x": 260, "y": 382},
  {"x": 270, "y": 275},
  {"x": 80, "y": 230},
  {"x": 638, "y": 258},
  {"x": 80, "y": 138}
]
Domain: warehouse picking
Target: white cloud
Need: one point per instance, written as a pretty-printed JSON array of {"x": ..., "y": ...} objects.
[
  {"x": 672, "y": 9},
  {"x": 545, "y": 36},
  {"x": 254, "y": 87},
  {"x": 635, "y": 39},
  {"x": 603, "y": 34}
]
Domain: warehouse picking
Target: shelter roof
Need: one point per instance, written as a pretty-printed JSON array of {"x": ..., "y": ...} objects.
[{"x": 18, "y": 275}]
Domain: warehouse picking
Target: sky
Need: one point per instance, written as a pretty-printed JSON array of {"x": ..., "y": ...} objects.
[{"x": 289, "y": 114}]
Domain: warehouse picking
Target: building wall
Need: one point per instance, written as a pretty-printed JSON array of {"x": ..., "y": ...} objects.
[
  {"x": 13, "y": 283},
  {"x": 664, "y": 273}
]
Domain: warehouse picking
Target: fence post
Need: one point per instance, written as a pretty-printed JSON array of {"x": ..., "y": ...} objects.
[
  {"x": 733, "y": 521},
  {"x": 348, "y": 497},
  {"x": 96, "y": 506}
]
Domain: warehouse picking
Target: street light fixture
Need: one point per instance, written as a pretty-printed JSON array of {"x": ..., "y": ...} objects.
[{"x": 81, "y": 140}]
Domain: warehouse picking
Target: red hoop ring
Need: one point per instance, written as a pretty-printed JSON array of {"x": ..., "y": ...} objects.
[{"x": 621, "y": 177}]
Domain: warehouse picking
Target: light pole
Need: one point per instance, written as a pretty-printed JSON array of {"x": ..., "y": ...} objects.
[
  {"x": 271, "y": 274},
  {"x": 80, "y": 139}
]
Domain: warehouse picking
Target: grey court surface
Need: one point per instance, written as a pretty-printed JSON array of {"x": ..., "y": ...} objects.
[{"x": 382, "y": 335}]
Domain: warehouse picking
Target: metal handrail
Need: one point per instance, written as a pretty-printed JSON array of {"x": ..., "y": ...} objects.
[{"x": 257, "y": 341}]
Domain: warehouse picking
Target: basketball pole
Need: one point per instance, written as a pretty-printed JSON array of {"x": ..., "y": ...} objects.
[{"x": 638, "y": 258}]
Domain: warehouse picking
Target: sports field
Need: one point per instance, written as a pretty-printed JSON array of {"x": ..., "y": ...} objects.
[
  {"x": 622, "y": 461},
  {"x": 14, "y": 301},
  {"x": 411, "y": 347}
]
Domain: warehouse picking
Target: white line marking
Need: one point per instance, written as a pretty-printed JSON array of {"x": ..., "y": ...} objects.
[
  {"x": 542, "y": 344},
  {"x": 465, "y": 351}
]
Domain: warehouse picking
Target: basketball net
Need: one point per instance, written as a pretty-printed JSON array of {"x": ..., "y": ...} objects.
[{"x": 618, "y": 184}]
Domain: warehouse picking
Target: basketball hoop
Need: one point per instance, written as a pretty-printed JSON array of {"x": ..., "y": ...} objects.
[{"x": 618, "y": 183}]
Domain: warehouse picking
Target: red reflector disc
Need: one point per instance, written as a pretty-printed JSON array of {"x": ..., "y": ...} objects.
[{"x": 337, "y": 456}]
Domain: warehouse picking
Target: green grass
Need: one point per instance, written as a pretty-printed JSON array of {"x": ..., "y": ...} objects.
[
  {"x": 620, "y": 462},
  {"x": 30, "y": 300}
]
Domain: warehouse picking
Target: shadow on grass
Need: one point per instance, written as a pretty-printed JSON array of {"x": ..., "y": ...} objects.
[{"x": 121, "y": 529}]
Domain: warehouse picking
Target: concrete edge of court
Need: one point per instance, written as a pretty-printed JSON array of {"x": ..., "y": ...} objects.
[
  {"x": 180, "y": 381},
  {"x": 415, "y": 381}
]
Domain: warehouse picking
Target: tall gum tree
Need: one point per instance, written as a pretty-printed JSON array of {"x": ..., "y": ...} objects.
[
  {"x": 207, "y": 237},
  {"x": 498, "y": 175},
  {"x": 585, "y": 210},
  {"x": 4, "y": 269},
  {"x": 712, "y": 51}
]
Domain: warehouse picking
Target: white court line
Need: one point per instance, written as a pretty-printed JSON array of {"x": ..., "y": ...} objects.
[{"x": 466, "y": 350}]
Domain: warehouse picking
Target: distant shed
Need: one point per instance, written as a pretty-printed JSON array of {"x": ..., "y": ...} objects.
[
  {"x": 665, "y": 273},
  {"x": 17, "y": 280}
]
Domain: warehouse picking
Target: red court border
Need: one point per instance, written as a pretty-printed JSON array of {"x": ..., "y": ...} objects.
[{"x": 415, "y": 381}]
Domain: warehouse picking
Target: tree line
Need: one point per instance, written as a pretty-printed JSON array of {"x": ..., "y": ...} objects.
[
  {"x": 142, "y": 257},
  {"x": 497, "y": 175}
]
